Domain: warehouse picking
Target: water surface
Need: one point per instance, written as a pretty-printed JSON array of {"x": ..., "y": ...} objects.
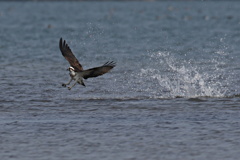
[{"x": 174, "y": 93}]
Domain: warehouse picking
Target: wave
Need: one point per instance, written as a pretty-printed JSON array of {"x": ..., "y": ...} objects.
[{"x": 144, "y": 99}]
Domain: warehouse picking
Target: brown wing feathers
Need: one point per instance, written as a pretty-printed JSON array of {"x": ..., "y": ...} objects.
[
  {"x": 67, "y": 53},
  {"x": 97, "y": 71}
]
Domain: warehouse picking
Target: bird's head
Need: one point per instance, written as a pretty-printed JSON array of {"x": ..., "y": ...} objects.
[{"x": 71, "y": 69}]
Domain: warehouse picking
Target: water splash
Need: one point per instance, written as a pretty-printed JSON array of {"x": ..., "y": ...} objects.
[{"x": 169, "y": 75}]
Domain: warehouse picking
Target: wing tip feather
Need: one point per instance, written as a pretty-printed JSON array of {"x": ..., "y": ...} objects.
[
  {"x": 63, "y": 45},
  {"x": 60, "y": 43},
  {"x": 110, "y": 64}
]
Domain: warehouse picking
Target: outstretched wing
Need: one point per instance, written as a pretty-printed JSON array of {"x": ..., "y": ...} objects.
[
  {"x": 98, "y": 71},
  {"x": 67, "y": 53}
]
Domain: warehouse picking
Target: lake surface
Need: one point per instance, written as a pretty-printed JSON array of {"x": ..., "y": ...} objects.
[{"x": 174, "y": 93}]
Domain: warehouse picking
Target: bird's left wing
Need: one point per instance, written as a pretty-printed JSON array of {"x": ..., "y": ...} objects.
[
  {"x": 67, "y": 53},
  {"x": 98, "y": 71}
]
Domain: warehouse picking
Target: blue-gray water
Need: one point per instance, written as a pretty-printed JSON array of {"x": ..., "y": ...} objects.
[{"x": 174, "y": 93}]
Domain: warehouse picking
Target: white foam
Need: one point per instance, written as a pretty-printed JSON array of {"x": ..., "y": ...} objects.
[{"x": 171, "y": 78}]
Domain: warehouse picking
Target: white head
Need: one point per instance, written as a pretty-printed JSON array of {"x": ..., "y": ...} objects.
[{"x": 71, "y": 69}]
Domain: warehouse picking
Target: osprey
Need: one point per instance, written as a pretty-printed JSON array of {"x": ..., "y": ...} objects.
[{"x": 76, "y": 70}]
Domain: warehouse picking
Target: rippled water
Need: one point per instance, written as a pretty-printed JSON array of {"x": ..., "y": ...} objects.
[{"x": 174, "y": 93}]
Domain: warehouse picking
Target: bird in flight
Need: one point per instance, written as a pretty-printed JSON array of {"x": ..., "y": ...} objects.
[{"x": 76, "y": 71}]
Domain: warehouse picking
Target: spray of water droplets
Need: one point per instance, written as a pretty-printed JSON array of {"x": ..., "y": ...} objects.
[{"x": 169, "y": 76}]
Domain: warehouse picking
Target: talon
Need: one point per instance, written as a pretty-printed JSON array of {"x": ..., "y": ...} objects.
[
  {"x": 64, "y": 85},
  {"x": 69, "y": 88}
]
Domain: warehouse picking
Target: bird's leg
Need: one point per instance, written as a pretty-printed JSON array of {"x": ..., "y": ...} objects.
[
  {"x": 73, "y": 85},
  {"x": 64, "y": 85}
]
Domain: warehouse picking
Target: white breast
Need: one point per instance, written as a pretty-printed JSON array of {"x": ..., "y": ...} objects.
[{"x": 76, "y": 75}]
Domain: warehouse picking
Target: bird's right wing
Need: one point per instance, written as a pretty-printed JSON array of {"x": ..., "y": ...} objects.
[
  {"x": 98, "y": 71},
  {"x": 67, "y": 53}
]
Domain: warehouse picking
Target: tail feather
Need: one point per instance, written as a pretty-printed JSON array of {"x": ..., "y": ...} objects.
[{"x": 82, "y": 83}]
